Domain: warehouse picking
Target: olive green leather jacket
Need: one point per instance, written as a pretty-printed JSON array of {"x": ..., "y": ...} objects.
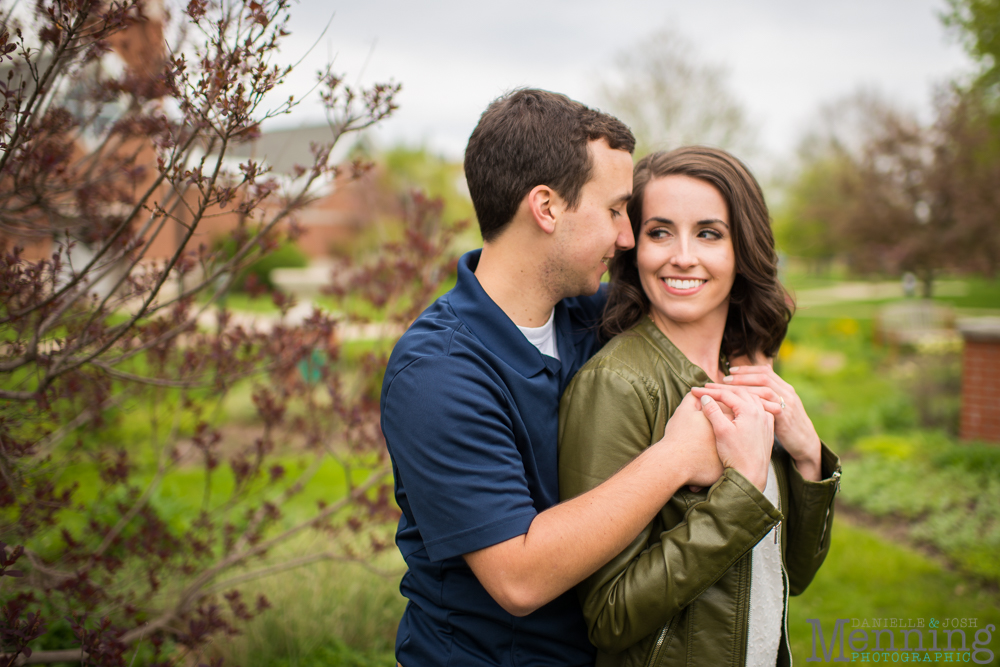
[{"x": 680, "y": 593}]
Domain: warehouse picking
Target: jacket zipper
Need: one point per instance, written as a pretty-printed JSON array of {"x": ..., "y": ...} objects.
[{"x": 657, "y": 646}]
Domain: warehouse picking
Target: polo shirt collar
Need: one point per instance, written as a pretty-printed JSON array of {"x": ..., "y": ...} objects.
[{"x": 491, "y": 325}]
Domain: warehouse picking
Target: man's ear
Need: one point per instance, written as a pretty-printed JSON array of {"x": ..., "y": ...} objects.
[{"x": 543, "y": 204}]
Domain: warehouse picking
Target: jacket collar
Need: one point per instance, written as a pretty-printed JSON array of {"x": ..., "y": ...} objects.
[
  {"x": 491, "y": 325},
  {"x": 693, "y": 375}
]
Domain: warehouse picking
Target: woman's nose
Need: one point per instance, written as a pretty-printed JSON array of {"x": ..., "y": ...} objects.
[{"x": 683, "y": 257}]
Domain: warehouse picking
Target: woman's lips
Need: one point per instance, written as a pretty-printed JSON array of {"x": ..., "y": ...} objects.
[{"x": 683, "y": 286}]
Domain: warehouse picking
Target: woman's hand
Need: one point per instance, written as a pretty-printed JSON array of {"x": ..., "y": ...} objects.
[{"x": 792, "y": 425}]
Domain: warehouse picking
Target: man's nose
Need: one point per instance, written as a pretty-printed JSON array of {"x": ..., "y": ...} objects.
[{"x": 626, "y": 239}]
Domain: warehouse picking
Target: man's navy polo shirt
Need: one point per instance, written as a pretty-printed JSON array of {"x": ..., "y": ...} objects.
[{"x": 470, "y": 413}]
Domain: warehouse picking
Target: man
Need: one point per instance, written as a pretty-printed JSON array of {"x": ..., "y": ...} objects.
[{"x": 471, "y": 394}]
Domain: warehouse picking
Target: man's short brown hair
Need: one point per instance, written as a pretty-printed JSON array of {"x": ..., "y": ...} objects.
[{"x": 533, "y": 137}]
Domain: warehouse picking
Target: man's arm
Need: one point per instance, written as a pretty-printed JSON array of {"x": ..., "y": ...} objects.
[
  {"x": 570, "y": 541},
  {"x": 451, "y": 440}
]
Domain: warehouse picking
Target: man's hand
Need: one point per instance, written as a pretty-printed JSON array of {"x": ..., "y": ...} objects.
[
  {"x": 792, "y": 425},
  {"x": 743, "y": 443},
  {"x": 568, "y": 542},
  {"x": 699, "y": 455}
]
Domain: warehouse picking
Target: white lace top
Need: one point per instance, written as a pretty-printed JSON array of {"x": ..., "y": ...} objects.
[{"x": 767, "y": 591}]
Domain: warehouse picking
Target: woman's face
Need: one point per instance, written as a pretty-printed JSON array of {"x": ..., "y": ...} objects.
[{"x": 685, "y": 251}]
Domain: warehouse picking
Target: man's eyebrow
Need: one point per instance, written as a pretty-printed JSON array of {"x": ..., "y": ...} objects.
[{"x": 623, "y": 198}]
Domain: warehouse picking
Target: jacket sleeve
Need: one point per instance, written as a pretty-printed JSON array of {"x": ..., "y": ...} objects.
[
  {"x": 606, "y": 420},
  {"x": 809, "y": 520}
]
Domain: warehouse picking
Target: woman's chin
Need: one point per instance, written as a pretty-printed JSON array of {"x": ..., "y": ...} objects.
[{"x": 683, "y": 316}]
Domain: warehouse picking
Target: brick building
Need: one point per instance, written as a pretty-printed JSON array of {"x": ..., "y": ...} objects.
[
  {"x": 341, "y": 209},
  {"x": 981, "y": 379}
]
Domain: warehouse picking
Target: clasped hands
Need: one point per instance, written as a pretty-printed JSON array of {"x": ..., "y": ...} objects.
[{"x": 744, "y": 414}]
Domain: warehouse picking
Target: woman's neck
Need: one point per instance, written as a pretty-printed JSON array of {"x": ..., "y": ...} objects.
[{"x": 700, "y": 342}]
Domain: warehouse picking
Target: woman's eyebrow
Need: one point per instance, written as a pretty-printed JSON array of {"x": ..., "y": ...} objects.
[
  {"x": 668, "y": 221},
  {"x": 662, "y": 221},
  {"x": 711, "y": 221}
]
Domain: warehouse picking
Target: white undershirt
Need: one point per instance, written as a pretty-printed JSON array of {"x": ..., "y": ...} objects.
[
  {"x": 543, "y": 337},
  {"x": 767, "y": 591}
]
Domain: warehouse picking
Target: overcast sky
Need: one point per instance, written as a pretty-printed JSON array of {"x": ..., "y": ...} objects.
[{"x": 785, "y": 57}]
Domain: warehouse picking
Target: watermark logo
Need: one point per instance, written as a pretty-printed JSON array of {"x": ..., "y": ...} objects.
[{"x": 878, "y": 640}]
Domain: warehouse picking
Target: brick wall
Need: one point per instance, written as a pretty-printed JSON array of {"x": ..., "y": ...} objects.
[{"x": 981, "y": 388}]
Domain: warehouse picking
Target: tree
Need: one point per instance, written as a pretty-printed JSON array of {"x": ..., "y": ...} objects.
[
  {"x": 116, "y": 364},
  {"x": 967, "y": 175},
  {"x": 977, "y": 23},
  {"x": 811, "y": 222},
  {"x": 801, "y": 224},
  {"x": 890, "y": 194},
  {"x": 971, "y": 166},
  {"x": 669, "y": 98}
]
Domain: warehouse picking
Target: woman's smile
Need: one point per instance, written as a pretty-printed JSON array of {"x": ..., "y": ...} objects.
[{"x": 683, "y": 286}]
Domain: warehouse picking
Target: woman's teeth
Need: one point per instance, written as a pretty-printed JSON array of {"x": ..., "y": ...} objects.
[{"x": 682, "y": 284}]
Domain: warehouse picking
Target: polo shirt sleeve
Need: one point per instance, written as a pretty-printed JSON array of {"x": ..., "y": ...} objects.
[{"x": 449, "y": 432}]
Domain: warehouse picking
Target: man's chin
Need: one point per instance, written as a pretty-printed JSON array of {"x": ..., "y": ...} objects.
[
  {"x": 582, "y": 288},
  {"x": 591, "y": 289}
]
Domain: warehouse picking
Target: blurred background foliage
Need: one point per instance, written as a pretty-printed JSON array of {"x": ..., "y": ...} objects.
[{"x": 872, "y": 193}]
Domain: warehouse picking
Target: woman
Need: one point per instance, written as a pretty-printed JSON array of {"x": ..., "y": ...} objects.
[{"x": 706, "y": 582}]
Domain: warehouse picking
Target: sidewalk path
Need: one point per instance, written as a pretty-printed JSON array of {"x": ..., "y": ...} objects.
[
  {"x": 874, "y": 291},
  {"x": 265, "y": 322}
]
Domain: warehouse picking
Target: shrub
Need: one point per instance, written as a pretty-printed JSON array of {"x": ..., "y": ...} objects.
[
  {"x": 128, "y": 515},
  {"x": 948, "y": 493}
]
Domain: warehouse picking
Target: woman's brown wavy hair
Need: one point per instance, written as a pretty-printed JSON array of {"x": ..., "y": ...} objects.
[{"x": 759, "y": 307}]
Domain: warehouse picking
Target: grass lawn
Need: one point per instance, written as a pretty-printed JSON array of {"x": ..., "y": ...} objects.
[
  {"x": 342, "y": 614},
  {"x": 868, "y": 577},
  {"x": 328, "y": 614}
]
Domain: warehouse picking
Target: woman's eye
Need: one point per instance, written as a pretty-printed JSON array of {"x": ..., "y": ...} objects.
[
  {"x": 710, "y": 234},
  {"x": 656, "y": 233}
]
